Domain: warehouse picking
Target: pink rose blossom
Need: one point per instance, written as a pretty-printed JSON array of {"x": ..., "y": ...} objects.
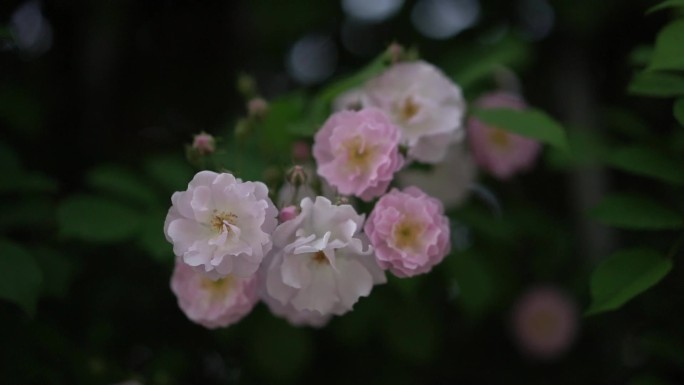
[
  {"x": 221, "y": 225},
  {"x": 213, "y": 303},
  {"x": 358, "y": 152},
  {"x": 320, "y": 261},
  {"x": 499, "y": 152},
  {"x": 426, "y": 105},
  {"x": 409, "y": 232},
  {"x": 545, "y": 322}
]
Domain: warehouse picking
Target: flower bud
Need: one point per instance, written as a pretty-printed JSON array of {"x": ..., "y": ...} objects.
[
  {"x": 257, "y": 108},
  {"x": 203, "y": 143},
  {"x": 297, "y": 176},
  {"x": 301, "y": 151},
  {"x": 287, "y": 213},
  {"x": 395, "y": 52}
]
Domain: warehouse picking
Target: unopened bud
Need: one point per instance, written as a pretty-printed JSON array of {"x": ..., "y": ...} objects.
[
  {"x": 395, "y": 52},
  {"x": 297, "y": 176},
  {"x": 287, "y": 213},
  {"x": 340, "y": 200},
  {"x": 203, "y": 143},
  {"x": 257, "y": 108}
]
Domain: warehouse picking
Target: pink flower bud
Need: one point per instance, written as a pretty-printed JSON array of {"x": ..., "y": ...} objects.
[
  {"x": 257, "y": 107},
  {"x": 203, "y": 143},
  {"x": 287, "y": 213},
  {"x": 297, "y": 176}
]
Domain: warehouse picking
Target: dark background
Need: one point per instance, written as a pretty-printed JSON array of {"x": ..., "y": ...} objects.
[{"x": 121, "y": 81}]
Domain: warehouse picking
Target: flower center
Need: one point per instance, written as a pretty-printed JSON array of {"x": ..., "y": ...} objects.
[
  {"x": 320, "y": 258},
  {"x": 407, "y": 235},
  {"x": 499, "y": 138},
  {"x": 409, "y": 109},
  {"x": 544, "y": 323},
  {"x": 221, "y": 220},
  {"x": 358, "y": 154},
  {"x": 218, "y": 288}
]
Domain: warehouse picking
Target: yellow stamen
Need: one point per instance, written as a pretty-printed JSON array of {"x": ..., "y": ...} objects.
[{"x": 221, "y": 220}]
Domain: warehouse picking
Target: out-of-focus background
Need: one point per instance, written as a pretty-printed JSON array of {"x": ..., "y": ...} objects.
[{"x": 98, "y": 98}]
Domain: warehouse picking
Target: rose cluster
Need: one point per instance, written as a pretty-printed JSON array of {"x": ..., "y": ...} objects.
[{"x": 314, "y": 255}]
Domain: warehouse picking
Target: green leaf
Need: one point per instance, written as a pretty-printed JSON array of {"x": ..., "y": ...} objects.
[
  {"x": 20, "y": 276},
  {"x": 669, "y": 48},
  {"x": 152, "y": 240},
  {"x": 29, "y": 213},
  {"x": 657, "y": 84},
  {"x": 274, "y": 131},
  {"x": 96, "y": 219},
  {"x": 469, "y": 66},
  {"x": 623, "y": 276},
  {"x": 647, "y": 162},
  {"x": 170, "y": 172},
  {"x": 666, "y": 4},
  {"x": 634, "y": 212},
  {"x": 25, "y": 182},
  {"x": 641, "y": 55},
  {"x": 58, "y": 271},
  {"x": 678, "y": 111},
  {"x": 477, "y": 292},
  {"x": 532, "y": 123},
  {"x": 121, "y": 183}
]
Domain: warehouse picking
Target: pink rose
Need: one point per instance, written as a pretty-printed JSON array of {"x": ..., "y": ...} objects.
[
  {"x": 213, "y": 303},
  {"x": 545, "y": 322},
  {"x": 426, "y": 105},
  {"x": 499, "y": 152},
  {"x": 358, "y": 152},
  {"x": 221, "y": 225},
  {"x": 409, "y": 232}
]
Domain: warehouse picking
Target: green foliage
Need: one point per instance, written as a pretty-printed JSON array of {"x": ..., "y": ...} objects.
[
  {"x": 58, "y": 271},
  {"x": 172, "y": 173},
  {"x": 647, "y": 162},
  {"x": 532, "y": 123},
  {"x": 666, "y": 4},
  {"x": 669, "y": 48},
  {"x": 471, "y": 65},
  {"x": 20, "y": 276},
  {"x": 635, "y": 212},
  {"x": 623, "y": 276},
  {"x": 282, "y": 352},
  {"x": 678, "y": 111},
  {"x": 477, "y": 292},
  {"x": 96, "y": 219},
  {"x": 119, "y": 182},
  {"x": 657, "y": 84}
]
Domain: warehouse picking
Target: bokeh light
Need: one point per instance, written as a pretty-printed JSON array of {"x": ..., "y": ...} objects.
[
  {"x": 442, "y": 19},
  {"x": 312, "y": 59},
  {"x": 372, "y": 10}
]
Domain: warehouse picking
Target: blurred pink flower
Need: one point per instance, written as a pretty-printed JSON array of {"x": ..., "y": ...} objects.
[
  {"x": 221, "y": 225},
  {"x": 449, "y": 180},
  {"x": 426, "y": 105},
  {"x": 545, "y": 322},
  {"x": 203, "y": 143},
  {"x": 213, "y": 303},
  {"x": 320, "y": 262},
  {"x": 358, "y": 152},
  {"x": 409, "y": 232},
  {"x": 499, "y": 152}
]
